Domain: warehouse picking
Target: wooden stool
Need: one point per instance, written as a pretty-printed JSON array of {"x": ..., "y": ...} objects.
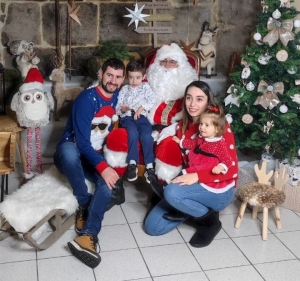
[
  {"x": 260, "y": 194},
  {"x": 8, "y": 123}
]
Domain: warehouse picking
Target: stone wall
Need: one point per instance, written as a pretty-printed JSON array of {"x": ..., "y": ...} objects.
[{"x": 103, "y": 20}]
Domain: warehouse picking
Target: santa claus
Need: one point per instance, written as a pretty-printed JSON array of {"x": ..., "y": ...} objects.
[{"x": 168, "y": 76}]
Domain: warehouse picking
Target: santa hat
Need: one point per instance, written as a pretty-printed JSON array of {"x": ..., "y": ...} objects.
[
  {"x": 172, "y": 51},
  {"x": 105, "y": 112},
  {"x": 33, "y": 81}
]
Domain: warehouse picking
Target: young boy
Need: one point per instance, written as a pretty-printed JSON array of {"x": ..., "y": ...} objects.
[{"x": 134, "y": 101}]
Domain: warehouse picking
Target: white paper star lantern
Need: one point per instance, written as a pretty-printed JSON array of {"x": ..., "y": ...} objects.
[{"x": 136, "y": 15}]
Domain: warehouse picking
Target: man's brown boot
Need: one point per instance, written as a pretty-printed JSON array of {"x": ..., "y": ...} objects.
[
  {"x": 81, "y": 218},
  {"x": 84, "y": 249}
]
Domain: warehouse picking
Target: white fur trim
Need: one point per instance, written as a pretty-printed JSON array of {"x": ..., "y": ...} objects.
[
  {"x": 166, "y": 172},
  {"x": 44, "y": 193},
  {"x": 31, "y": 86},
  {"x": 115, "y": 158},
  {"x": 115, "y": 118}
]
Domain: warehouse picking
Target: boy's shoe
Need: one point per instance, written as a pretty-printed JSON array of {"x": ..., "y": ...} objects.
[
  {"x": 81, "y": 218},
  {"x": 84, "y": 249},
  {"x": 150, "y": 175},
  {"x": 132, "y": 172}
]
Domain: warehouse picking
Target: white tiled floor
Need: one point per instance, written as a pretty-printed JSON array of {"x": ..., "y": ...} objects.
[{"x": 128, "y": 253}]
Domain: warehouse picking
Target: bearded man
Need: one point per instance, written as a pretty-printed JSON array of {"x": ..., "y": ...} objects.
[{"x": 168, "y": 76}]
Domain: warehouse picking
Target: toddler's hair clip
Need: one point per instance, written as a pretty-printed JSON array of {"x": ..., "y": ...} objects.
[{"x": 213, "y": 109}]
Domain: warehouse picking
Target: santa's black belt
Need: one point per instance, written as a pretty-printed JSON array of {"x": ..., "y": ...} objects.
[{"x": 158, "y": 127}]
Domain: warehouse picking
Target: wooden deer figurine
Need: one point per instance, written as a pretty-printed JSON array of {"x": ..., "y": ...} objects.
[
  {"x": 59, "y": 90},
  {"x": 260, "y": 194}
]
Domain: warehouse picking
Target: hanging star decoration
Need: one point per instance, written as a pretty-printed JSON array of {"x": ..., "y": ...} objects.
[
  {"x": 269, "y": 99},
  {"x": 136, "y": 15},
  {"x": 73, "y": 10}
]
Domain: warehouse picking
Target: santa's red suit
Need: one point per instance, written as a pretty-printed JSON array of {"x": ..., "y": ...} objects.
[{"x": 169, "y": 85}]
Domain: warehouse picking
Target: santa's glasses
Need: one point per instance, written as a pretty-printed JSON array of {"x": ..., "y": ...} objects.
[
  {"x": 101, "y": 126},
  {"x": 171, "y": 63}
]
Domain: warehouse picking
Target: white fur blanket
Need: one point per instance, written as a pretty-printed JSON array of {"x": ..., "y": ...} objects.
[{"x": 35, "y": 199}]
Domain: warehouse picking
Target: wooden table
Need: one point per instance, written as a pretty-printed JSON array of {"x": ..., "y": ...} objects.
[{"x": 8, "y": 123}]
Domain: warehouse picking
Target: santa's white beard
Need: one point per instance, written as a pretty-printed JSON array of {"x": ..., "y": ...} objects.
[
  {"x": 164, "y": 83},
  {"x": 97, "y": 139}
]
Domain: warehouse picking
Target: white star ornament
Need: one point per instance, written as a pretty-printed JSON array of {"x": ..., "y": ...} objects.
[{"x": 136, "y": 15}]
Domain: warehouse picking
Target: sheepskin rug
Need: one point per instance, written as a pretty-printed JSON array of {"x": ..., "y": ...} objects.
[{"x": 35, "y": 199}]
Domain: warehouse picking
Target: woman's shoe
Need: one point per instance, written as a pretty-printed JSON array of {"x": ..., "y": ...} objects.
[{"x": 207, "y": 227}]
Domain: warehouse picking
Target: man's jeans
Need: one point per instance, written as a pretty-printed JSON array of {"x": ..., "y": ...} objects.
[
  {"x": 68, "y": 161},
  {"x": 192, "y": 200}
]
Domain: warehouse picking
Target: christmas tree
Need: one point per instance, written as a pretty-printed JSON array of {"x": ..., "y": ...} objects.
[{"x": 263, "y": 104}]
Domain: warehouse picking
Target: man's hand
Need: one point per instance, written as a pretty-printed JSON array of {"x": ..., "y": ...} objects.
[
  {"x": 110, "y": 177},
  {"x": 187, "y": 179},
  {"x": 167, "y": 132}
]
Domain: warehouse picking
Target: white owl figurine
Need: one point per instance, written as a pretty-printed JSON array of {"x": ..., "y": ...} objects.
[{"x": 31, "y": 104}]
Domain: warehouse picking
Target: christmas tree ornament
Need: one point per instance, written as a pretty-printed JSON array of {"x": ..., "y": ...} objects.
[
  {"x": 276, "y": 14},
  {"x": 232, "y": 99},
  {"x": 279, "y": 30},
  {"x": 259, "y": 42},
  {"x": 136, "y": 15},
  {"x": 298, "y": 47},
  {"x": 232, "y": 89},
  {"x": 246, "y": 72},
  {"x": 229, "y": 118},
  {"x": 296, "y": 98},
  {"x": 299, "y": 152},
  {"x": 292, "y": 69},
  {"x": 282, "y": 55},
  {"x": 264, "y": 6},
  {"x": 296, "y": 23},
  {"x": 250, "y": 86},
  {"x": 269, "y": 99},
  {"x": 247, "y": 118},
  {"x": 283, "y": 108},
  {"x": 268, "y": 126},
  {"x": 269, "y": 159},
  {"x": 257, "y": 36},
  {"x": 264, "y": 59},
  {"x": 285, "y": 3},
  {"x": 297, "y": 82}
]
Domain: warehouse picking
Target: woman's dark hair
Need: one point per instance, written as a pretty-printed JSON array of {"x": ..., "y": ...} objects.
[
  {"x": 186, "y": 117},
  {"x": 113, "y": 63}
]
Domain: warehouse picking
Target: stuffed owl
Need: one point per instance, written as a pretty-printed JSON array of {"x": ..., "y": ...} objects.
[{"x": 32, "y": 106}]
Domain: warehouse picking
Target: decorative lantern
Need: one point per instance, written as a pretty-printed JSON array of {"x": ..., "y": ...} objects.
[{"x": 2, "y": 90}]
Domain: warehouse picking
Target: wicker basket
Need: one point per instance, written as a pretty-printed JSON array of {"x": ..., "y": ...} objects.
[{"x": 292, "y": 200}]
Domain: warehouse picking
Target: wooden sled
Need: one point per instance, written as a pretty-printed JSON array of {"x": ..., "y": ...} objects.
[
  {"x": 57, "y": 220},
  {"x": 45, "y": 200}
]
